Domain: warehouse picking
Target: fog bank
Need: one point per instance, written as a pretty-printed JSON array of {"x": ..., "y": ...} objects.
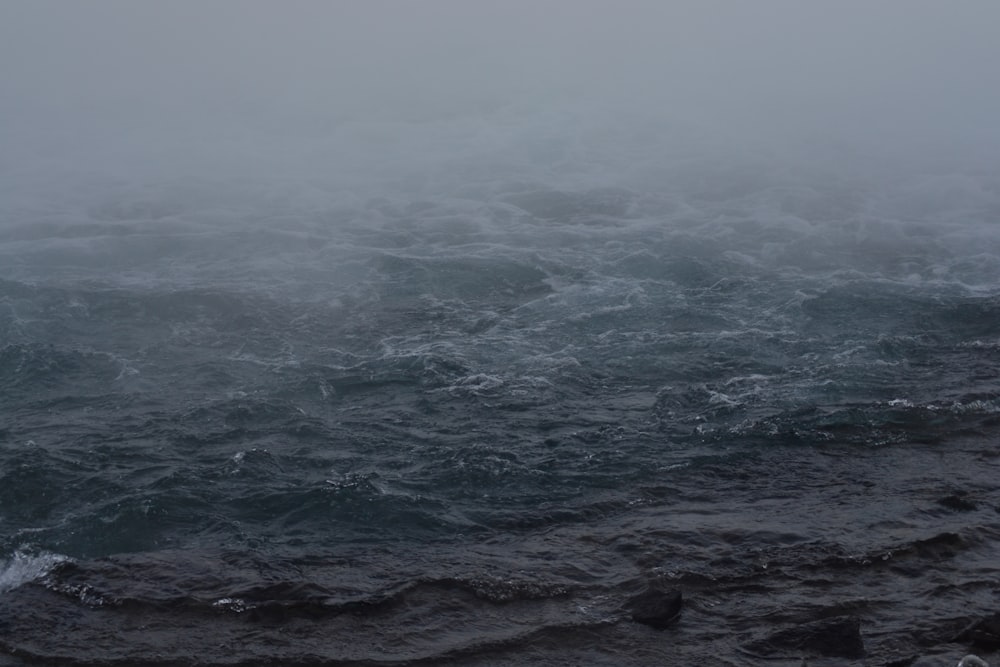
[{"x": 185, "y": 86}]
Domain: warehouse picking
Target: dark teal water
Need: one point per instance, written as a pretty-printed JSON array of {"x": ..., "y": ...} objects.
[{"x": 460, "y": 421}]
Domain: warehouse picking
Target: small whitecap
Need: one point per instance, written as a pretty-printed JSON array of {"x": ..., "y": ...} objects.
[
  {"x": 972, "y": 661},
  {"x": 232, "y": 604},
  {"x": 23, "y": 567}
]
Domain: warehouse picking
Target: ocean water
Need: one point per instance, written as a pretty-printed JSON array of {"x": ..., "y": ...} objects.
[{"x": 456, "y": 399}]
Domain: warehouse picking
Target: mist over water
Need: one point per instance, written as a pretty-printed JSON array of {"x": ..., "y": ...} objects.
[
  {"x": 431, "y": 332},
  {"x": 170, "y": 86}
]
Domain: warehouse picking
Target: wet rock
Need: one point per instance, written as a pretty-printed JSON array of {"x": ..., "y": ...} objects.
[
  {"x": 656, "y": 607},
  {"x": 984, "y": 633},
  {"x": 836, "y": 637}
]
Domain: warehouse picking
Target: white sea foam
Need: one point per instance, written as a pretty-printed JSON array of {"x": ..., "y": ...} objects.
[{"x": 23, "y": 566}]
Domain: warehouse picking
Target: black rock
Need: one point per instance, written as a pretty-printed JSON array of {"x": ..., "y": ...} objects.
[
  {"x": 836, "y": 637},
  {"x": 656, "y": 607},
  {"x": 984, "y": 633}
]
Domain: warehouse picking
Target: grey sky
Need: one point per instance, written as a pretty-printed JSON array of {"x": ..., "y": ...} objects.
[{"x": 888, "y": 69}]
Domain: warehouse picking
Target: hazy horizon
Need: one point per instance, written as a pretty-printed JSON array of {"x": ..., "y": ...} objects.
[{"x": 118, "y": 84}]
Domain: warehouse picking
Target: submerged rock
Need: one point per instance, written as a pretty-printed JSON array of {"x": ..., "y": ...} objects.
[
  {"x": 837, "y": 637},
  {"x": 656, "y": 607}
]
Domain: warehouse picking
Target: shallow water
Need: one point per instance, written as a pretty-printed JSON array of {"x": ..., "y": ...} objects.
[{"x": 460, "y": 414}]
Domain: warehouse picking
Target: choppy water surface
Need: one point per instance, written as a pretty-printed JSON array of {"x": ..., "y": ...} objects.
[{"x": 461, "y": 414}]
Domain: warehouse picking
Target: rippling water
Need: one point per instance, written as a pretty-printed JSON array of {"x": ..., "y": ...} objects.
[{"x": 461, "y": 414}]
